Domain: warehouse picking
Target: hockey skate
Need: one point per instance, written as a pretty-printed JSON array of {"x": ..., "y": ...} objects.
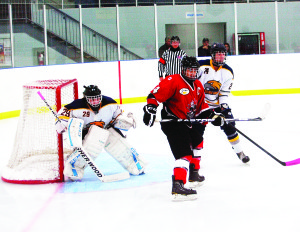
[
  {"x": 243, "y": 157},
  {"x": 195, "y": 180},
  {"x": 180, "y": 193}
]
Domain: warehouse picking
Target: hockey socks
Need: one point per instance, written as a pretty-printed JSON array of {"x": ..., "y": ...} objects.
[{"x": 181, "y": 168}]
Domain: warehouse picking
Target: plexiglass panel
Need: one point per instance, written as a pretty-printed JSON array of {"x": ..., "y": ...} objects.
[
  {"x": 182, "y": 26},
  {"x": 260, "y": 20},
  {"x": 28, "y": 39},
  {"x": 215, "y": 31},
  {"x": 100, "y": 33},
  {"x": 137, "y": 33},
  {"x": 288, "y": 27},
  {"x": 5, "y": 39},
  {"x": 257, "y": 28}
]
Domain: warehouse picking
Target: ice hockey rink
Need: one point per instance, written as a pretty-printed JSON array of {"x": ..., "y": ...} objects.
[{"x": 260, "y": 196}]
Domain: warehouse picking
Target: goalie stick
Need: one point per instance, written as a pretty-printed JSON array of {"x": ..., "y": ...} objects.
[
  {"x": 98, "y": 173},
  {"x": 88, "y": 159}
]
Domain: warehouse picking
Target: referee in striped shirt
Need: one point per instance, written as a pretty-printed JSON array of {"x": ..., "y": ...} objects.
[{"x": 170, "y": 62}]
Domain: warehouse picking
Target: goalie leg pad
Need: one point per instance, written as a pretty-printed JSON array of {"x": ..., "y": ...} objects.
[
  {"x": 75, "y": 132},
  {"x": 95, "y": 140},
  {"x": 121, "y": 151},
  {"x": 74, "y": 166}
]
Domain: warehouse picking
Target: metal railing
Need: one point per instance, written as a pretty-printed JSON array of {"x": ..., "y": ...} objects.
[
  {"x": 67, "y": 29},
  {"x": 125, "y": 3},
  {"x": 62, "y": 4}
]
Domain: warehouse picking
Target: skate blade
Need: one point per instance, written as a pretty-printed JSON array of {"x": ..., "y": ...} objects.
[
  {"x": 194, "y": 185},
  {"x": 180, "y": 197}
]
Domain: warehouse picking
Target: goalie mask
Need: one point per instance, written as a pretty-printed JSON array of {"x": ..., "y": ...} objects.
[
  {"x": 218, "y": 54},
  {"x": 190, "y": 68},
  {"x": 92, "y": 95}
]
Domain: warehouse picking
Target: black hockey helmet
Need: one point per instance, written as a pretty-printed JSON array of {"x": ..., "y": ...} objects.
[
  {"x": 92, "y": 95},
  {"x": 190, "y": 68},
  {"x": 218, "y": 48}
]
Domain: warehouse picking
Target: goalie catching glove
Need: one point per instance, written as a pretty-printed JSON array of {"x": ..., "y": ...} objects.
[
  {"x": 149, "y": 114},
  {"x": 124, "y": 122}
]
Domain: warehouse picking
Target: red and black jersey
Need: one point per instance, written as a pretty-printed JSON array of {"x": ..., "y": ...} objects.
[{"x": 180, "y": 99}]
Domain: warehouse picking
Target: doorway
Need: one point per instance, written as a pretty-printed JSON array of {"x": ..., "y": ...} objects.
[{"x": 215, "y": 32}]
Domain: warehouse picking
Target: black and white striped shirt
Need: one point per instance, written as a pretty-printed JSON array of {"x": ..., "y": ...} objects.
[{"x": 170, "y": 62}]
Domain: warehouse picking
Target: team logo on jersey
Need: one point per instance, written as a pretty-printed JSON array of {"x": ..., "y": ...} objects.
[
  {"x": 184, "y": 91},
  {"x": 191, "y": 109},
  {"x": 212, "y": 87}
]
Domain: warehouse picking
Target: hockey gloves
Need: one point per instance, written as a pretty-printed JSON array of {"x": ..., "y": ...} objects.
[
  {"x": 226, "y": 111},
  {"x": 60, "y": 126},
  {"x": 219, "y": 119},
  {"x": 149, "y": 114}
]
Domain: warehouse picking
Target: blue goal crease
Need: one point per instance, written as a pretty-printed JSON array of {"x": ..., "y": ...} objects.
[{"x": 159, "y": 169}]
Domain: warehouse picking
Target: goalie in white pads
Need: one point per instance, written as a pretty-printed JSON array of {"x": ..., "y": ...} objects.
[{"x": 103, "y": 123}]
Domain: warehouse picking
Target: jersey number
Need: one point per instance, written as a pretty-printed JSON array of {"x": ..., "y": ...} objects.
[
  {"x": 156, "y": 89},
  {"x": 65, "y": 112},
  {"x": 86, "y": 114}
]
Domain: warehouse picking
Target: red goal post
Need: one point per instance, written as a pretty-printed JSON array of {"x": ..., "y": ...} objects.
[{"x": 38, "y": 152}]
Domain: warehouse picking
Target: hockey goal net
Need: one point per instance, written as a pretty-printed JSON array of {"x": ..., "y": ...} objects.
[{"x": 38, "y": 152}]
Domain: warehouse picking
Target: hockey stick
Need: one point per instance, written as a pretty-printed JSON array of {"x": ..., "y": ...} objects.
[
  {"x": 211, "y": 120},
  {"x": 50, "y": 108},
  {"x": 289, "y": 163},
  {"x": 260, "y": 118},
  {"x": 88, "y": 159}
]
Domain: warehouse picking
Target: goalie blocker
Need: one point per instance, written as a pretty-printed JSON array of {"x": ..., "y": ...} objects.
[{"x": 96, "y": 139}]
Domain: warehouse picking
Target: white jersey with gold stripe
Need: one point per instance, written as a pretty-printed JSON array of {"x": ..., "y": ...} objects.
[
  {"x": 217, "y": 84},
  {"x": 109, "y": 110}
]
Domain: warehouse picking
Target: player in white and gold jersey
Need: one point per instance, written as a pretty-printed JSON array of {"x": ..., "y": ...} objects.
[{"x": 217, "y": 79}]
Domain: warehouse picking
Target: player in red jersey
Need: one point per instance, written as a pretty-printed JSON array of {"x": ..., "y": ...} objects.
[{"x": 182, "y": 96}]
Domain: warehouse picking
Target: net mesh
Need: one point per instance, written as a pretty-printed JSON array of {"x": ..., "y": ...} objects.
[{"x": 36, "y": 156}]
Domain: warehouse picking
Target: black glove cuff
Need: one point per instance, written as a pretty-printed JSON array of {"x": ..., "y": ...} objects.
[{"x": 150, "y": 108}]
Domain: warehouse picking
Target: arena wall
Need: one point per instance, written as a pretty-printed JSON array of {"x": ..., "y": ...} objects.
[{"x": 131, "y": 81}]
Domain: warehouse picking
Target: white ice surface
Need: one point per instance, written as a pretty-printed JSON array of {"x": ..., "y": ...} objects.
[{"x": 260, "y": 196}]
